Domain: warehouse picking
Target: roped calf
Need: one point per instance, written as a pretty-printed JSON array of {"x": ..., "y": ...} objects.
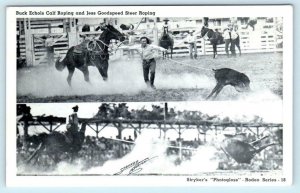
[{"x": 227, "y": 76}]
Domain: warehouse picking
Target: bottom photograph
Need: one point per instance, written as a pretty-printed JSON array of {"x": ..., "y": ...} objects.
[{"x": 150, "y": 138}]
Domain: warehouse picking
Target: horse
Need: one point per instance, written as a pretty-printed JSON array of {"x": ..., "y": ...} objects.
[
  {"x": 56, "y": 144},
  {"x": 166, "y": 42},
  {"x": 214, "y": 37},
  {"x": 96, "y": 55}
]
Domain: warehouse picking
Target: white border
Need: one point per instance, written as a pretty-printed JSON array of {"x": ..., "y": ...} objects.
[{"x": 285, "y": 11}]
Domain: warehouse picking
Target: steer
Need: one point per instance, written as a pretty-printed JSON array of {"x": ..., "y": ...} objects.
[
  {"x": 227, "y": 76},
  {"x": 235, "y": 146}
]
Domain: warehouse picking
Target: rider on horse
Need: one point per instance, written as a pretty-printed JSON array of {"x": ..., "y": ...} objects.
[
  {"x": 72, "y": 127},
  {"x": 84, "y": 45}
]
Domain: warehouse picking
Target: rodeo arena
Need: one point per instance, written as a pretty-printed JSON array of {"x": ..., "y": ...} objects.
[
  {"x": 53, "y": 60},
  {"x": 118, "y": 132}
]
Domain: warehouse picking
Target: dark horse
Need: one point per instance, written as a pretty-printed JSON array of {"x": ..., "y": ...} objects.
[
  {"x": 166, "y": 42},
  {"x": 97, "y": 55},
  {"x": 214, "y": 37},
  {"x": 56, "y": 144}
]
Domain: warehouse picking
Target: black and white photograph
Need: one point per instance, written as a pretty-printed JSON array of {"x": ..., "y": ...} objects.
[
  {"x": 183, "y": 138},
  {"x": 149, "y": 96},
  {"x": 149, "y": 59}
]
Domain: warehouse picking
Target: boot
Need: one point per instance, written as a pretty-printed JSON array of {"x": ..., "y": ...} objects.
[
  {"x": 152, "y": 77},
  {"x": 147, "y": 83}
]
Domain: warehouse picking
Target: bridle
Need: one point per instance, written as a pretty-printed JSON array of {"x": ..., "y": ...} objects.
[
  {"x": 95, "y": 44},
  {"x": 205, "y": 37}
]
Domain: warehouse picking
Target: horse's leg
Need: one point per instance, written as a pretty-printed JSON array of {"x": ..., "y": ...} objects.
[
  {"x": 71, "y": 72},
  {"x": 171, "y": 52},
  {"x": 215, "y": 50},
  {"x": 102, "y": 68},
  {"x": 85, "y": 72},
  {"x": 237, "y": 43}
]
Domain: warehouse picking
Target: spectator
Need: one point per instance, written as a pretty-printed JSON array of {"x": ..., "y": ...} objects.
[
  {"x": 237, "y": 41},
  {"x": 192, "y": 41},
  {"x": 227, "y": 39},
  {"x": 49, "y": 44}
]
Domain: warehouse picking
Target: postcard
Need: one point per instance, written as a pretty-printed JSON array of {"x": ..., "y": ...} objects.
[{"x": 149, "y": 95}]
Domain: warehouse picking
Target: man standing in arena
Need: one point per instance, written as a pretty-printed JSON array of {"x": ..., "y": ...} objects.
[
  {"x": 192, "y": 41},
  {"x": 147, "y": 52}
]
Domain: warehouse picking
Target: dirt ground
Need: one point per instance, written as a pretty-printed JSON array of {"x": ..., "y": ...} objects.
[{"x": 176, "y": 80}]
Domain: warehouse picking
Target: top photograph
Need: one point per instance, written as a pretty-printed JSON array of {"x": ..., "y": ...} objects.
[{"x": 152, "y": 58}]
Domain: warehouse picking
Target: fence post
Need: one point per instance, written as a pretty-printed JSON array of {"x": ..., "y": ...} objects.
[
  {"x": 72, "y": 35},
  {"x": 28, "y": 43},
  {"x": 203, "y": 46},
  {"x": 155, "y": 33}
]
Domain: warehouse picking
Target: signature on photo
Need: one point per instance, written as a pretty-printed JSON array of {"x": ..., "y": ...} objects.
[{"x": 134, "y": 167}]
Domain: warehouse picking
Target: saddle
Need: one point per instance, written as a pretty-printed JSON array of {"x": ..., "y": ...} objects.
[
  {"x": 78, "y": 49},
  {"x": 85, "y": 46}
]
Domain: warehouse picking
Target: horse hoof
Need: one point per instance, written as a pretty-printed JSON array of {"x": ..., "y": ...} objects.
[{"x": 105, "y": 79}]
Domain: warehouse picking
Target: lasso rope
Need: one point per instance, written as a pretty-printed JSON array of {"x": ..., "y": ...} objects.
[{"x": 184, "y": 64}]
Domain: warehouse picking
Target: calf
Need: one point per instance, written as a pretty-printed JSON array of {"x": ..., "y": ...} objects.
[{"x": 227, "y": 76}]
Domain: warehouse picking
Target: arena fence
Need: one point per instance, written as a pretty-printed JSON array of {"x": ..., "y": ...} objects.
[{"x": 263, "y": 39}]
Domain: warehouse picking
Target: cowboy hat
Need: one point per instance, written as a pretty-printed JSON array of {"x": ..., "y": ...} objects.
[
  {"x": 75, "y": 107},
  {"x": 147, "y": 39}
]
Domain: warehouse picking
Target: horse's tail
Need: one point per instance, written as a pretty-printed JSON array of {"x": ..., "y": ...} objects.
[{"x": 59, "y": 65}]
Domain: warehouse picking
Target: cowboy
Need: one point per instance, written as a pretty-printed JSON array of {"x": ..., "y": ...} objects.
[
  {"x": 233, "y": 37},
  {"x": 192, "y": 41},
  {"x": 237, "y": 40},
  {"x": 166, "y": 26},
  {"x": 49, "y": 42},
  {"x": 86, "y": 38},
  {"x": 147, "y": 52},
  {"x": 72, "y": 127},
  {"x": 101, "y": 26},
  {"x": 227, "y": 38}
]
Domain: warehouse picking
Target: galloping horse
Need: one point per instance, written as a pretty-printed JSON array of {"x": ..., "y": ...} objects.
[
  {"x": 56, "y": 143},
  {"x": 166, "y": 42},
  {"x": 97, "y": 55},
  {"x": 215, "y": 38}
]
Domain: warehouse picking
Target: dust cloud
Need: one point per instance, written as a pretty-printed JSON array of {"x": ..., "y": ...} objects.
[
  {"x": 124, "y": 77},
  {"x": 154, "y": 149}
]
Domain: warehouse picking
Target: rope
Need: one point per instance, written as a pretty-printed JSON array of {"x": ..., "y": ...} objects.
[
  {"x": 115, "y": 50},
  {"x": 184, "y": 64},
  {"x": 139, "y": 23}
]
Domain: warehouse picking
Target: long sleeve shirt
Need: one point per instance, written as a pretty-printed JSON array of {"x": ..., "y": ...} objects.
[
  {"x": 230, "y": 34},
  {"x": 148, "y": 52},
  {"x": 191, "y": 39}
]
